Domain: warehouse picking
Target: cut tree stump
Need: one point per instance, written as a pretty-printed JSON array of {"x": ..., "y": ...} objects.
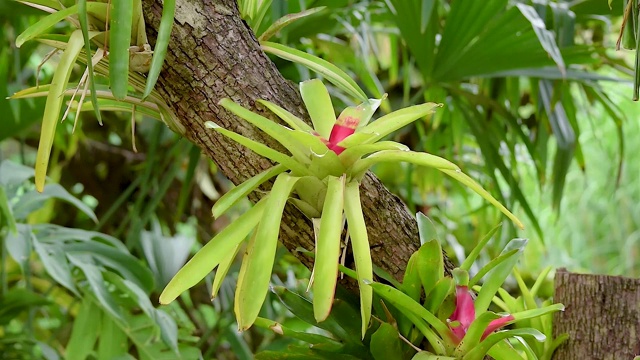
[{"x": 602, "y": 316}]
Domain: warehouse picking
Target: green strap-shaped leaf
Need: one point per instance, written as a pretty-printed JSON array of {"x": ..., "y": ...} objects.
[
  {"x": 408, "y": 306},
  {"x": 392, "y": 122},
  {"x": 255, "y": 272},
  {"x": 84, "y": 26},
  {"x": 54, "y": 104},
  {"x": 288, "y": 117},
  {"x": 318, "y": 102},
  {"x": 241, "y": 191},
  {"x": 474, "y": 333},
  {"x": 162, "y": 43},
  {"x": 223, "y": 269},
  {"x": 473, "y": 255},
  {"x": 490, "y": 265},
  {"x": 261, "y": 149},
  {"x": 354, "y": 153},
  {"x": 418, "y": 158},
  {"x": 331, "y": 72},
  {"x": 318, "y": 341},
  {"x": 286, "y": 20},
  {"x": 361, "y": 249},
  {"x": 213, "y": 253},
  {"x": 119, "y": 43},
  {"x": 496, "y": 277},
  {"x": 276, "y": 131},
  {"x": 470, "y": 183},
  {"x": 328, "y": 248},
  {"x": 481, "y": 350}
]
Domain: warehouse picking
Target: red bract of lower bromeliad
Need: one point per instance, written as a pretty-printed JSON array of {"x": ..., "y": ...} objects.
[{"x": 465, "y": 314}]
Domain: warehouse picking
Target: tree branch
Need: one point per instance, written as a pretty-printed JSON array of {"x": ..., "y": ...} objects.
[{"x": 213, "y": 54}]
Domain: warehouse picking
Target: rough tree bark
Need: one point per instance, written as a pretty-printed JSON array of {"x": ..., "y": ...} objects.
[
  {"x": 213, "y": 54},
  {"x": 602, "y": 316}
]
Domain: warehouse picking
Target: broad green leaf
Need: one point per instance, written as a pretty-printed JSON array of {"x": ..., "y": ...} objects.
[
  {"x": 261, "y": 149},
  {"x": 470, "y": 183},
  {"x": 12, "y": 174},
  {"x": 361, "y": 249},
  {"x": 286, "y": 20},
  {"x": 318, "y": 103},
  {"x": 56, "y": 264},
  {"x": 411, "y": 284},
  {"x": 239, "y": 192},
  {"x": 438, "y": 294},
  {"x": 331, "y": 72},
  {"x": 257, "y": 264},
  {"x": 84, "y": 332},
  {"x": 53, "y": 105},
  {"x": 162, "y": 43},
  {"x": 31, "y": 201},
  {"x": 121, "y": 262},
  {"x": 430, "y": 265},
  {"x": 328, "y": 249},
  {"x": 397, "y": 120},
  {"x": 504, "y": 351},
  {"x": 16, "y": 300},
  {"x": 94, "y": 278},
  {"x": 496, "y": 277},
  {"x": 119, "y": 42},
  {"x": 418, "y": 158},
  {"x": 213, "y": 253},
  {"x": 84, "y": 26},
  {"x": 385, "y": 343},
  {"x": 112, "y": 342},
  {"x": 18, "y": 244},
  {"x": 473, "y": 255}
]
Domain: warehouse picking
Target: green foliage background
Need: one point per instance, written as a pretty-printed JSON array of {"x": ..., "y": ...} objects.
[{"x": 500, "y": 122}]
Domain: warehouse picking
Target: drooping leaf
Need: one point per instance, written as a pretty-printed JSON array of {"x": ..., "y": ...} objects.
[
  {"x": 213, "y": 253},
  {"x": 328, "y": 248},
  {"x": 257, "y": 264}
]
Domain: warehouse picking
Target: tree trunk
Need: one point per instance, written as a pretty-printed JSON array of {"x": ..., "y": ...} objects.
[
  {"x": 602, "y": 316},
  {"x": 212, "y": 55}
]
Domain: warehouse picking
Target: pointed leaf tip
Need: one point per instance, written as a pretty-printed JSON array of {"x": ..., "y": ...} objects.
[{"x": 211, "y": 125}]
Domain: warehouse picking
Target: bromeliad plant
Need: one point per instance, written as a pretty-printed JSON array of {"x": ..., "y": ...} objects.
[
  {"x": 322, "y": 178},
  {"x": 463, "y": 328}
]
